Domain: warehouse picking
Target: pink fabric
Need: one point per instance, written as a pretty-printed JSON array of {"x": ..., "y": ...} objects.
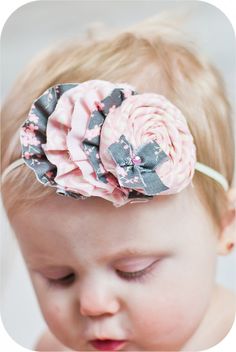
[
  {"x": 146, "y": 117},
  {"x": 66, "y": 130}
]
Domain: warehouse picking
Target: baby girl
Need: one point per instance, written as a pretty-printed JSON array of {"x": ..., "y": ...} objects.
[{"x": 118, "y": 183}]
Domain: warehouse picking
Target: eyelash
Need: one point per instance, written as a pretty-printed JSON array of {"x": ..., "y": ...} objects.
[
  {"x": 64, "y": 281},
  {"x": 138, "y": 276}
]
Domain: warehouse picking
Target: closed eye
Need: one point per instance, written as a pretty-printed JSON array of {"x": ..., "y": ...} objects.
[
  {"x": 139, "y": 275},
  {"x": 136, "y": 275},
  {"x": 63, "y": 281}
]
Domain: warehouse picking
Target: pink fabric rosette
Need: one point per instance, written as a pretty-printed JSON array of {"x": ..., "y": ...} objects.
[
  {"x": 67, "y": 128},
  {"x": 144, "y": 118}
]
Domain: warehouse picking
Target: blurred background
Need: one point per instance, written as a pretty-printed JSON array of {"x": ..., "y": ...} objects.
[{"x": 37, "y": 25}]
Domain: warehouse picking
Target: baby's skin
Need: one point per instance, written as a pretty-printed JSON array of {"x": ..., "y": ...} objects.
[
  {"x": 219, "y": 327},
  {"x": 144, "y": 273}
]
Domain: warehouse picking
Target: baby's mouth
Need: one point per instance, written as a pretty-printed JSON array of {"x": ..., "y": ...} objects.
[{"x": 108, "y": 345}]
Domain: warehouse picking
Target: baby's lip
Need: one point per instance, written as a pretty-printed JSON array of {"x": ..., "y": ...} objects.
[{"x": 107, "y": 344}]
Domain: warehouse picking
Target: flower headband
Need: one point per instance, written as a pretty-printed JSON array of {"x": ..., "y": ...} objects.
[{"x": 98, "y": 138}]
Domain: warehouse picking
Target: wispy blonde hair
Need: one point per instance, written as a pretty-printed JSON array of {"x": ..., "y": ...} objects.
[{"x": 154, "y": 56}]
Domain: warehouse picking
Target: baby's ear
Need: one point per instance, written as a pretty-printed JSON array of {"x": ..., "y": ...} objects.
[{"x": 227, "y": 239}]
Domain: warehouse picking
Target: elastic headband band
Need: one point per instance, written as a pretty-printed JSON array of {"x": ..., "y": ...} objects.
[
  {"x": 10, "y": 168},
  {"x": 206, "y": 170},
  {"x": 215, "y": 175}
]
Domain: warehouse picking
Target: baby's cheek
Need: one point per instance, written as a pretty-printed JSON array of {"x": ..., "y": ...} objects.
[
  {"x": 165, "y": 324},
  {"x": 160, "y": 320},
  {"x": 57, "y": 319},
  {"x": 53, "y": 315}
]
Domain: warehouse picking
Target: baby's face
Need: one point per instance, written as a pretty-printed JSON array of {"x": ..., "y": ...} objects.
[{"x": 143, "y": 273}]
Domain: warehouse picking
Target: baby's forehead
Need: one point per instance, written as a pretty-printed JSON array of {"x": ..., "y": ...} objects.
[
  {"x": 95, "y": 218},
  {"x": 93, "y": 209},
  {"x": 69, "y": 230}
]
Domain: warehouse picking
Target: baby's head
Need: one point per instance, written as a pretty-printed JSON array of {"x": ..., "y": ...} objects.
[{"x": 140, "y": 271}]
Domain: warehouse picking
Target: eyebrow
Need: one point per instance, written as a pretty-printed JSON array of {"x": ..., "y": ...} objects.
[{"x": 130, "y": 252}]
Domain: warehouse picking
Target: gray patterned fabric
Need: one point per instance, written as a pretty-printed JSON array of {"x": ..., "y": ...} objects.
[{"x": 143, "y": 175}]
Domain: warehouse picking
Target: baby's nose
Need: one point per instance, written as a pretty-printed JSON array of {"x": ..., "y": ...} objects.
[{"x": 97, "y": 298}]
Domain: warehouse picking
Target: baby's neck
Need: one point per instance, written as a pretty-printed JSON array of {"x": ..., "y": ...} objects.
[{"x": 217, "y": 322}]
